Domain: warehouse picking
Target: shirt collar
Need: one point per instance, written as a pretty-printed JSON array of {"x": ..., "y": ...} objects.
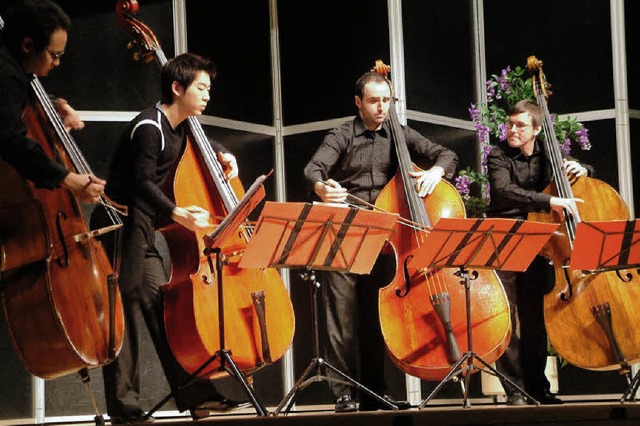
[
  {"x": 516, "y": 154},
  {"x": 360, "y": 129}
]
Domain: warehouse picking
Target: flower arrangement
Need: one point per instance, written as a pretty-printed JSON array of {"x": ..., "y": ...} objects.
[{"x": 490, "y": 119}]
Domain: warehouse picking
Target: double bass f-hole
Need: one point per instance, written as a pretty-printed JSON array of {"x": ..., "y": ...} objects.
[
  {"x": 64, "y": 261},
  {"x": 407, "y": 278}
]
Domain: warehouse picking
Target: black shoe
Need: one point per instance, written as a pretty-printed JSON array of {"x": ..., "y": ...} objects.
[
  {"x": 516, "y": 398},
  {"x": 370, "y": 404},
  {"x": 547, "y": 398},
  {"x": 345, "y": 404},
  {"x": 223, "y": 405},
  {"x": 131, "y": 419}
]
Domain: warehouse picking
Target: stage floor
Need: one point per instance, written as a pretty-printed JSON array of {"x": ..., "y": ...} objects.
[{"x": 570, "y": 413}]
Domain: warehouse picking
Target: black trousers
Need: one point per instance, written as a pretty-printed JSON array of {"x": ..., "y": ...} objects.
[
  {"x": 141, "y": 275},
  {"x": 353, "y": 341},
  {"x": 525, "y": 358}
]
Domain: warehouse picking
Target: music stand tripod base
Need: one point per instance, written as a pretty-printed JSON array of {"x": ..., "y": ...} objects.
[
  {"x": 317, "y": 364},
  {"x": 468, "y": 358}
]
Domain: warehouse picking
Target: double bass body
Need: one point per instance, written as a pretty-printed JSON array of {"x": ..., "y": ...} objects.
[
  {"x": 62, "y": 315},
  {"x": 572, "y": 308},
  {"x": 418, "y": 341},
  {"x": 258, "y": 314}
]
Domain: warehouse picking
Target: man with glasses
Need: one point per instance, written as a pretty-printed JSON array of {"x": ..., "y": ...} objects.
[
  {"x": 33, "y": 41},
  {"x": 519, "y": 171}
]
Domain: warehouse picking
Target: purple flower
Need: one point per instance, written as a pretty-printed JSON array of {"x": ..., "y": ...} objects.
[
  {"x": 503, "y": 80},
  {"x": 482, "y": 132},
  {"x": 475, "y": 113},
  {"x": 583, "y": 138},
  {"x": 486, "y": 149},
  {"x": 491, "y": 91},
  {"x": 566, "y": 146},
  {"x": 503, "y": 131},
  {"x": 462, "y": 184}
]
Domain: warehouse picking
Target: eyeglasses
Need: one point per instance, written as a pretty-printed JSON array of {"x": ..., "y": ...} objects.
[
  {"x": 54, "y": 55},
  {"x": 519, "y": 126}
]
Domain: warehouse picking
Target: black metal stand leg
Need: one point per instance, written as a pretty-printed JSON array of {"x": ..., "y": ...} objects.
[
  {"x": 630, "y": 394},
  {"x": 226, "y": 362},
  {"x": 317, "y": 363},
  {"x": 468, "y": 358}
]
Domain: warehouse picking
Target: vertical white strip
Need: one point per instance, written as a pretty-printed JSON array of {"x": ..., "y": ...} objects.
[
  {"x": 288, "y": 373},
  {"x": 623, "y": 136},
  {"x": 180, "y": 27},
  {"x": 479, "y": 56},
  {"x": 396, "y": 41},
  {"x": 38, "y": 399}
]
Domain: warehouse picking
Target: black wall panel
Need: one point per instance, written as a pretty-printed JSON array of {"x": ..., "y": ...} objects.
[
  {"x": 104, "y": 74},
  {"x": 438, "y": 55},
  {"x": 235, "y": 34},
  {"x": 572, "y": 38},
  {"x": 325, "y": 46}
]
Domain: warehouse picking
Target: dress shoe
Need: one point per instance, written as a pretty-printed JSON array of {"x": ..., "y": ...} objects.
[
  {"x": 516, "y": 398},
  {"x": 132, "y": 419},
  {"x": 370, "y": 404},
  {"x": 223, "y": 405},
  {"x": 547, "y": 398},
  {"x": 345, "y": 404}
]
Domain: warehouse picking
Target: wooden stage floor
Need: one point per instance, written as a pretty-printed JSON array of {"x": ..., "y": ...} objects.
[{"x": 570, "y": 413}]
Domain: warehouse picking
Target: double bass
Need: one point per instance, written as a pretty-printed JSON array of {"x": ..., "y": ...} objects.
[
  {"x": 60, "y": 293},
  {"x": 258, "y": 314},
  {"x": 422, "y": 311},
  {"x": 591, "y": 319}
]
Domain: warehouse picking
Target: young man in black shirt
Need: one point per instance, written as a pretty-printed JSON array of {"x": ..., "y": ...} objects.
[
  {"x": 33, "y": 41},
  {"x": 147, "y": 153},
  {"x": 358, "y": 158},
  {"x": 518, "y": 174}
]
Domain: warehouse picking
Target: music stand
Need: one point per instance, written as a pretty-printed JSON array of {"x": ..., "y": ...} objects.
[
  {"x": 318, "y": 236},
  {"x": 213, "y": 243},
  {"x": 501, "y": 244},
  {"x": 609, "y": 246}
]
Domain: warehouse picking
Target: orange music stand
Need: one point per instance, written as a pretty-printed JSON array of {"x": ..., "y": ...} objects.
[
  {"x": 609, "y": 246},
  {"x": 318, "y": 236},
  {"x": 606, "y": 246},
  {"x": 501, "y": 244}
]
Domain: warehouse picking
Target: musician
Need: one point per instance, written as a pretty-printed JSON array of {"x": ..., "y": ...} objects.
[
  {"x": 33, "y": 42},
  {"x": 148, "y": 151},
  {"x": 518, "y": 174},
  {"x": 358, "y": 158}
]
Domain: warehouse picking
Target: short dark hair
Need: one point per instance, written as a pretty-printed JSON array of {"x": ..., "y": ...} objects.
[
  {"x": 35, "y": 19},
  {"x": 367, "y": 78},
  {"x": 529, "y": 106},
  {"x": 183, "y": 69}
]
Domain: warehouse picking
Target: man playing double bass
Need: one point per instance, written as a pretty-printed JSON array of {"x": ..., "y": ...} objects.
[
  {"x": 518, "y": 175},
  {"x": 33, "y": 41},
  {"x": 358, "y": 158},
  {"x": 148, "y": 151}
]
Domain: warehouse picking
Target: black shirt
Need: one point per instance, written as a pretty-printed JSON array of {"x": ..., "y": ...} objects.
[
  {"x": 146, "y": 155},
  {"x": 16, "y": 148},
  {"x": 364, "y": 161},
  {"x": 517, "y": 181}
]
